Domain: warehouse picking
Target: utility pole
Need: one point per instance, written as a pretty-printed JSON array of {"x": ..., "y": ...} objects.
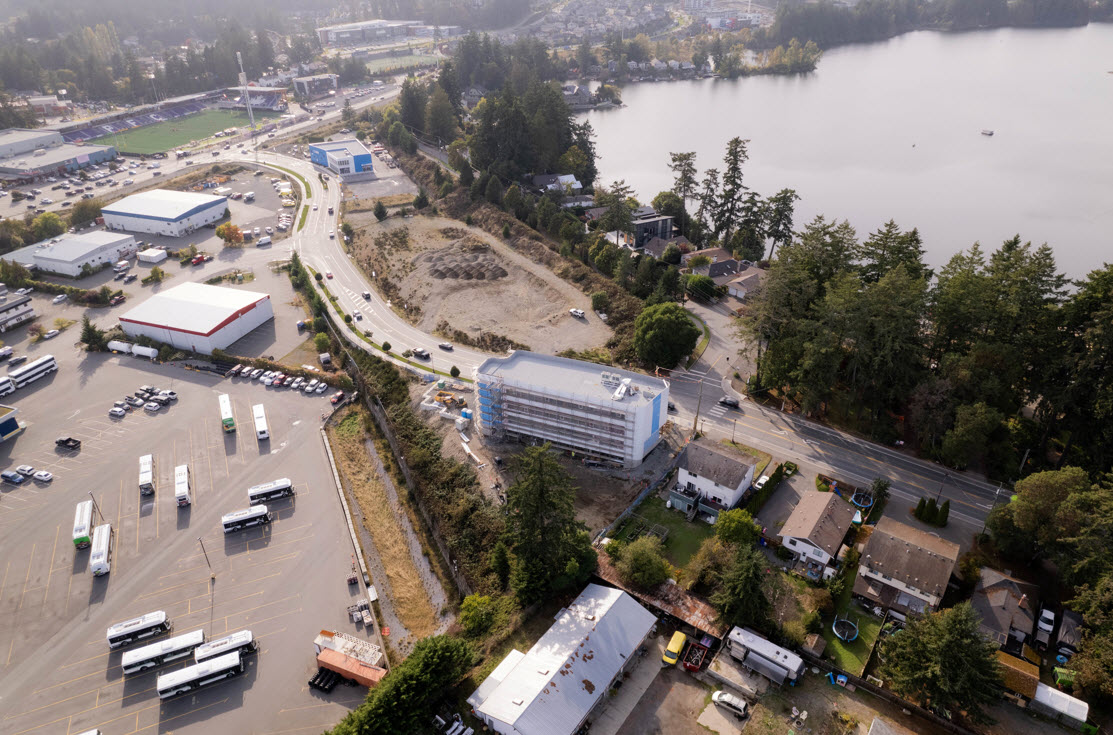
[
  {"x": 939, "y": 492},
  {"x": 96, "y": 507},
  {"x": 212, "y": 574}
]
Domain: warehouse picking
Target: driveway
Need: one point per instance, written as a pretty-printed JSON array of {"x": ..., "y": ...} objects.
[{"x": 675, "y": 704}]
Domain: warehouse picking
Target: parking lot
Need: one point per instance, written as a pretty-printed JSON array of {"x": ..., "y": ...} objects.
[{"x": 285, "y": 582}]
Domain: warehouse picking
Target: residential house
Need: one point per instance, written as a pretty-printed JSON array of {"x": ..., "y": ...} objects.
[
  {"x": 904, "y": 569},
  {"x": 576, "y": 96},
  {"x": 815, "y": 530},
  {"x": 714, "y": 254},
  {"x": 745, "y": 282},
  {"x": 621, "y": 239},
  {"x": 554, "y": 687},
  {"x": 473, "y": 94},
  {"x": 721, "y": 272},
  {"x": 583, "y": 200},
  {"x": 711, "y": 478},
  {"x": 1008, "y": 608},
  {"x": 656, "y": 246},
  {"x": 560, "y": 183},
  {"x": 648, "y": 225},
  {"x": 765, "y": 657}
]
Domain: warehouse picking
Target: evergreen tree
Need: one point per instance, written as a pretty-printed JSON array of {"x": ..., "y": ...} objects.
[
  {"x": 944, "y": 513},
  {"x": 440, "y": 116},
  {"x": 380, "y": 210},
  {"x": 920, "y": 508},
  {"x": 931, "y": 512},
  {"x": 729, "y": 201},
  {"x": 740, "y": 594}
]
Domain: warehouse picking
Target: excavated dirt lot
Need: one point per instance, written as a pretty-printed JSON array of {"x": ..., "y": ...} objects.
[{"x": 476, "y": 283}]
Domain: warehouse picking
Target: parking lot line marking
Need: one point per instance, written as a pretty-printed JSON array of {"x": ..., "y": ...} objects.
[
  {"x": 314, "y": 706},
  {"x": 75, "y": 679},
  {"x": 44, "y": 724},
  {"x": 27, "y": 578},
  {"x": 162, "y": 722},
  {"x": 119, "y": 529},
  {"x": 197, "y": 493},
  {"x": 10, "y": 647},
  {"x": 53, "y": 553},
  {"x": 53, "y": 704},
  {"x": 6, "y": 568},
  {"x": 324, "y": 726},
  {"x": 253, "y": 609}
]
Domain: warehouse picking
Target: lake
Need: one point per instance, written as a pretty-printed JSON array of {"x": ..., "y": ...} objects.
[{"x": 892, "y": 130}]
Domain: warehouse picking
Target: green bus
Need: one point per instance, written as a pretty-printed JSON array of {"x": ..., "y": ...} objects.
[
  {"x": 83, "y": 525},
  {"x": 227, "y": 422}
]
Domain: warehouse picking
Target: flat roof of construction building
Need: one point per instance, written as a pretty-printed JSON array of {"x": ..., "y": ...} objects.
[
  {"x": 162, "y": 204},
  {"x": 564, "y": 375},
  {"x": 194, "y": 308}
]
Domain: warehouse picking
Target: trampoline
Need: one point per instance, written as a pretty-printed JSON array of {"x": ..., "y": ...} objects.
[
  {"x": 845, "y": 628},
  {"x": 862, "y": 500}
]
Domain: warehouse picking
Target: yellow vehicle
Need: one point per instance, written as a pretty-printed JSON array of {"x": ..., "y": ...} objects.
[{"x": 676, "y": 646}]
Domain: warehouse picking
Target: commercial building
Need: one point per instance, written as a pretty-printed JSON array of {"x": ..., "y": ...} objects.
[
  {"x": 552, "y": 689},
  {"x": 905, "y": 569},
  {"x": 72, "y": 254},
  {"x": 9, "y": 425},
  {"x": 347, "y": 158},
  {"x": 197, "y": 317},
  {"x": 15, "y": 312},
  {"x": 164, "y": 212},
  {"x": 318, "y": 85},
  {"x": 381, "y": 31},
  {"x": 602, "y": 413},
  {"x": 49, "y": 104},
  {"x": 27, "y": 155}
]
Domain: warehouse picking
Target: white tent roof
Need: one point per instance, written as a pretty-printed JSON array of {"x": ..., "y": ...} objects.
[
  {"x": 1062, "y": 702},
  {"x": 553, "y": 687}
]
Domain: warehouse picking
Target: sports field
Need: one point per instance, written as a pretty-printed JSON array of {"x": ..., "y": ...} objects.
[{"x": 172, "y": 134}]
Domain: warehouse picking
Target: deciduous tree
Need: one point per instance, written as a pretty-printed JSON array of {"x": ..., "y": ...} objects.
[
  {"x": 664, "y": 334},
  {"x": 642, "y": 564}
]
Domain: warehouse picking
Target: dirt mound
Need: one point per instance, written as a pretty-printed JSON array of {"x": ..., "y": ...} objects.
[{"x": 469, "y": 259}]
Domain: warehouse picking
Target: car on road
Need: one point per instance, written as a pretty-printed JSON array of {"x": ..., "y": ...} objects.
[
  {"x": 17, "y": 360},
  {"x": 328, "y": 274},
  {"x": 359, "y": 316},
  {"x": 332, "y": 234},
  {"x": 68, "y": 442},
  {"x": 51, "y": 334},
  {"x": 731, "y": 703},
  {"x": 446, "y": 346},
  {"x": 151, "y": 406},
  {"x": 729, "y": 402},
  {"x": 336, "y": 397},
  {"x": 761, "y": 481},
  {"x": 59, "y": 298},
  {"x": 420, "y": 352},
  {"x": 314, "y": 207},
  {"x": 12, "y": 477},
  {"x": 25, "y": 469}
]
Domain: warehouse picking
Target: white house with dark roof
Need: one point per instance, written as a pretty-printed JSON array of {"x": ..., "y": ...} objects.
[
  {"x": 711, "y": 478},
  {"x": 555, "y": 686},
  {"x": 815, "y": 529},
  {"x": 905, "y": 569}
]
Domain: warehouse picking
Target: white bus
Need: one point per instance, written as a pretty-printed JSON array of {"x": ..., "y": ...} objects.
[
  {"x": 32, "y": 371},
  {"x": 194, "y": 677},
  {"x": 6, "y": 386},
  {"x": 268, "y": 491},
  {"x": 83, "y": 525},
  {"x": 147, "y": 474},
  {"x": 100, "y": 559},
  {"x": 227, "y": 420},
  {"x": 241, "y": 641},
  {"x": 260, "y": 421},
  {"x": 241, "y": 519},
  {"x": 181, "y": 485},
  {"x": 145, "y": 626},
  {"x": 157, "y": 654}
]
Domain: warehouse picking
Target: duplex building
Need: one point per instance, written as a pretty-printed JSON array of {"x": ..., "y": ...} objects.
[
  {"x": 26, "y": 155},
  {"x": 814, "y": 532},
  {"x": 164, "y": 212},
  {"x": 349, "y": 159},
  {"x": 554, "y": 687},
  {"x": 711, "y": 479},
  {"x": 604, "y": 413},
  {"x": 764, "y": 657},
  {"x": 905, "y": 569}
]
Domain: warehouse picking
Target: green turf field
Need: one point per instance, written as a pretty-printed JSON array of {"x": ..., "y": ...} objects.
[{"x": 172, "y": 134}]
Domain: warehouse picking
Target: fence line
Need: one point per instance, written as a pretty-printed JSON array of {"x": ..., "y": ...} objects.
[{"x": 650, "y": 488}]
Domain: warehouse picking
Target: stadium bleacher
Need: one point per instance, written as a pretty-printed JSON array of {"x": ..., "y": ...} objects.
[{"x": 130, "y": 123}]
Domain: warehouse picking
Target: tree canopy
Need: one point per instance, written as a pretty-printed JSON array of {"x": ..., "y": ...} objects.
[
  {"x": 642, "y": 564},
  {"x": 664, "y": 334}
]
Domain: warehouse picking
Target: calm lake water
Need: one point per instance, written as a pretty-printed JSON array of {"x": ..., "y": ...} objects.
[{"x": 892, "y": 130}]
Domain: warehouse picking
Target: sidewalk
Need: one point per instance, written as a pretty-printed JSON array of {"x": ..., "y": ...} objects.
[{"x": 619, "y": 707}]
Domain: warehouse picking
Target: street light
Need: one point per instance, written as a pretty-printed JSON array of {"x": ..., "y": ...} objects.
[{"x": 212, "y": 574}]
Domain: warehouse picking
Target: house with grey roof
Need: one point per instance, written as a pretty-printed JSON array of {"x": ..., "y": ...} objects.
[
  {"x": 1007, "y": 607},
  {"x": 711, "y": 478},
  {"x": 656, "y": 245},
  {"x": 904, "y": 569},
  {"x": 815, "y": 530},
  {"x": 745, "y": 281}
]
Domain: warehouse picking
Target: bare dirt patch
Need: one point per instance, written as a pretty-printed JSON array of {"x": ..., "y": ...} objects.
[{"x": 453, "y": 277}]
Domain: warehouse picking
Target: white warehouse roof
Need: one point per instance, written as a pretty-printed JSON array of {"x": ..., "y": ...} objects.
[
  {"x": 75, "y": 248},
  {"x": 162, "y": 204},
  {"x": 551, "y": 689},
  {"x": 195, "y": 308}
]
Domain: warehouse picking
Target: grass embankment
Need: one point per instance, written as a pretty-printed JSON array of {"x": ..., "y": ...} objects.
[
  {"x": 304, "y": 214},
  {"x": 701, "y": 346},
  {"x": 407, "y": 594}
]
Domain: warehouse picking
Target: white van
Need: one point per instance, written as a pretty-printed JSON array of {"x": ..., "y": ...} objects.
[
  {"x": 249, "y": 196},
  {"x": 181, "y": 485},
  {"x": 578, "y": 313},
  {"x": 265, "y": 240}
]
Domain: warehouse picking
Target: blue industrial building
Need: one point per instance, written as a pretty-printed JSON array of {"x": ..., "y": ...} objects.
[{"x": 346, "y": 158}]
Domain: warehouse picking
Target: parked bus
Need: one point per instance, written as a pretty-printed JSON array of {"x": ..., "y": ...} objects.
[
  {"x": 227, "y": 421},
  {"x": 181, "y": 485},
  {"x": 157, "y": 654},
  {"x": 241, "y": 519},
  {"x": 145, "y": 626},
  {"x": 32, "y": 371},
  {"x": 260, "y": 421},
  {"x": 268, "y": 491},
  {"x": 147, "y": 474},
  {"x": 199, "y": 675},
  {"x": 83, "y": 525},
  {"x": 241, "y": 641},
  {"x": 100, "y": 559}
]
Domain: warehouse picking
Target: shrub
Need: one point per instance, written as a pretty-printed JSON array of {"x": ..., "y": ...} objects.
[
  {"x": 319, "y": 324},
  {"x": 386, "y": 346},
  {"x": 319, "y": 277},
  {"x": 919, "y": 512},
  {"x": 380, "y": 211},
  {"x": 454, "y": 371},
  {"x": 467, "y": 220},
  {"x": 421, "y": 201},
  {"x": 321, "y": 342},
  {"x": 477, "y": 613},
  {"x": 506, "y": 231},
  {"x": 600, "y": 301},
  {"x": 347, "y": 318},
  {"x": 642, "y": 563},
  {"x": 783, "y": 553},
  {"x": 944, "y": 512}
]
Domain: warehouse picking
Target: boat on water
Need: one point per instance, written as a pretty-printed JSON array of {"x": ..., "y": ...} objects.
[{"x": 987, "y": 132}]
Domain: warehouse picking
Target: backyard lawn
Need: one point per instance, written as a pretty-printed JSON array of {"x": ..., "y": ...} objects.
[
  {"x": 683, "y": 538},
  {"x": 852, "y": 657}
]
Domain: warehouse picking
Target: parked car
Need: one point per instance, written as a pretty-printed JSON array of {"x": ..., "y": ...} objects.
[
  {"x": 172, "y": 395},
  {"x": 25, "y": 469},
  {"x": 151, "y": 406},
  {"x": 336, "y": 397},
  {"x": 122, "y": 405},
  {"x": 12, "y": 477},
  {"x": 130, "y": 278},
  {"x": 310, "y": 386},
  {"x": 17, "y": 361},
  {"x": 731, "y": 703},
  {"x": 59, "y": 298},
  {"x": 117, "y": 300},
  {"x": 1046, "y": 622},
  {"x": 255, "y": 374},
  {"x": 68, "y": 442},
  {"x": 51, "y": 334},
  {"x": 672, "y": 407},
  {"x": 43, "y": 476},
  {"x": 322, "y": 387},
  {"x": 22, "y": 291},
  {"x": 761, "y": 482},
  {"x": 133, "y": 401}
]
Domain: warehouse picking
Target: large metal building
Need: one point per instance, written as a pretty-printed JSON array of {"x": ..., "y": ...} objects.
[
  {"x": 198, "y": 317},
  {"x": 164, "y": 212}
]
